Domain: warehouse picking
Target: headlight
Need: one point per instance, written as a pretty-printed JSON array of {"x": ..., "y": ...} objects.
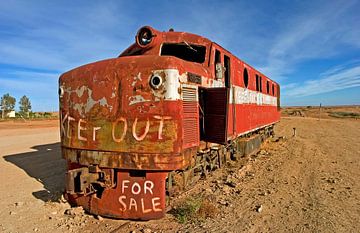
[
  {"x": 144, "y": 36},
  {"x": 61, "y": 92},
  {"x": 156, "y": 81}
]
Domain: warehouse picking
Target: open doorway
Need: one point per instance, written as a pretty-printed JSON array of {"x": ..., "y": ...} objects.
[
  {"x": 213, "y": 114},
  {"x": 227, "y": 71}
]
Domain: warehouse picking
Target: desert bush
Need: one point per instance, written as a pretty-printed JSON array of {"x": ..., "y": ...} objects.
[
  {"x": 194, "y": 209},
  {"x": 344, "y": 114},
  {"x": 46, "y": 114}
]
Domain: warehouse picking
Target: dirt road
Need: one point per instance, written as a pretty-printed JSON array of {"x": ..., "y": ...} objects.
[{"x": 307, "y": 183}]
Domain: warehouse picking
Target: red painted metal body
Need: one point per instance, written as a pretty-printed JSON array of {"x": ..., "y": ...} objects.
[{"x": 121, "y": 134}]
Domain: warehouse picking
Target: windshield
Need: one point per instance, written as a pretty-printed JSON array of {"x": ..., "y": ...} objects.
[{"x": 185, "y": 51}]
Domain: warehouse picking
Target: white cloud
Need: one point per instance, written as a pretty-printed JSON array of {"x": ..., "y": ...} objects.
[
  {"x": 334, "y": 79},
  {"x": 38, "y": 83},
  {"x": 317, "y": 33},
  {"x": 59, "y": 36},
  {"x": 40, "y": 87}
]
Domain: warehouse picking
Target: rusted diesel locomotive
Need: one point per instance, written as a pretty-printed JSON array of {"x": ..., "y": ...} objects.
[{"x": 143, "y": 126}]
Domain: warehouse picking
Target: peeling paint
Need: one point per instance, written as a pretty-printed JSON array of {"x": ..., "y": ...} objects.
[
  {"x": 136, "y": 78},
  {"x": 84, "y": 108},
  {"x": 137, "y": 99}
]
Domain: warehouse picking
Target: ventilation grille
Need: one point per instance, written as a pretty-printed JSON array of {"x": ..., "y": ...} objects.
[
  {"x": 191, "y": 131},
  {"x": 189, "y": 100},
  {"x": 189, "y": 94},
  {"x": 190, "y": 107},
  {"x": 191, "y": 117}
]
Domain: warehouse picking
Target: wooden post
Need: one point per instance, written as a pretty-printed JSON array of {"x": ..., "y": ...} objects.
[{"x": 320, "y": 112}]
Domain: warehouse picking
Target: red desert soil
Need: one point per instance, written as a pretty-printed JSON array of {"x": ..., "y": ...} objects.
[{"x": 307, "y": 183}]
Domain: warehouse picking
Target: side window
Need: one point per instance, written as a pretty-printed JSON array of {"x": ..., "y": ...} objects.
[
  {"x": 260, "y": 83},
  {"x": 267, "y": 87},
  {"x": 257, "y": 82},
  {"x": 227, "y": 70},
  {"x": 217, "y": 64},
  {"x": 217, "y": 56},
  {"x": 246, "y": 77},
  {"x": 217, "y": 60},
  {"x": 273, "y": 89}
]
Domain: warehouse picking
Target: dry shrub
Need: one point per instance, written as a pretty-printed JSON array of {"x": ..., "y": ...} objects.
[
  {"x": 194, "y": 209},
  {"x": 344, "y": 115},
  {"x": 207, "y": 210}
]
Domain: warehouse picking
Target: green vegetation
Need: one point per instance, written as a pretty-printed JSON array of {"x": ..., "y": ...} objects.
[
  {"x": 7, "y": 107},
  {"x": 25, "y": 106},
  {"x": 344, "y": 115},
  {"x": 7, "y": 103}
]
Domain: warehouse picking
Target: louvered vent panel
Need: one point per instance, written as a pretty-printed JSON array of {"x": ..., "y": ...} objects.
[
  {"x": 190, "y": 107},
  {"x": 191, "y": 130},
  {"x": 189, "y": 94},
  {"x": 191, "y": 116}
]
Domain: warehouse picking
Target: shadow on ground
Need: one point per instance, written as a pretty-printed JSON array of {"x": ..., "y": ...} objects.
[{"x": 46, "y": 165}]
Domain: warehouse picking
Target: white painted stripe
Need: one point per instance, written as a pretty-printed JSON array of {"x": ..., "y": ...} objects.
[
  {"x": 252, "y": 130},
  {"x": 172, "y": 84},
  {"x": 242, "y": 95},
  {"x": 246, "y": 96}
]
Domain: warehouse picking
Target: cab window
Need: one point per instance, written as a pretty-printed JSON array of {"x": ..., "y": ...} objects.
[{"x": 184, "y": 51}]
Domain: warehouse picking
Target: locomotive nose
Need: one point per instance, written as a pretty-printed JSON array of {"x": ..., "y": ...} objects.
[
  {"x": 104, "y": 89},
  {"x": 120, "y": 105}
]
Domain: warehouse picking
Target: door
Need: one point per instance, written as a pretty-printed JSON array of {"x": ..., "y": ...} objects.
[{"x": 213, "y": 103}]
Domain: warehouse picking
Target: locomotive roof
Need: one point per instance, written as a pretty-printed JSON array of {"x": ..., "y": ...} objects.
[
  {"x": 172, "y": 36},
  {"x": 178, "y": 37}
]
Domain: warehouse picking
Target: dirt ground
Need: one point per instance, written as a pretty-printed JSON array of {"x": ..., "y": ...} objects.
[{"x": 303, "y": 183}]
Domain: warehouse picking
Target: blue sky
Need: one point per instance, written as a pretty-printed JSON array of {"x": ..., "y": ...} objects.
[{"x": 312, "y": 48}]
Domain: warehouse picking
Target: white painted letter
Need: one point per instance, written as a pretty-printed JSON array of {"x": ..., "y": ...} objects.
[
  {"x": 94, "y": 132},
  {"x": 68, "y": 125},
  {"x": 124, "y": 129},
  {"x": 137, "y": 187},
  {"x": 143, "y": 207},
  {"x": 133, "y": 203},
  {"x": 123, "y": 185},
  {"x": 62, "y": 127},
  {"x": 156, "y": 204},
  {"x": 79, "y": 130},
  {"x": 148, "y": 187},
  {"x": 121, "y": 198},
  {"x": 161, "y": 125},
  {"x": 140, "y": 138}
]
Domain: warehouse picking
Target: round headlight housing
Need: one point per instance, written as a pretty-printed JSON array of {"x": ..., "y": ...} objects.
[
  {"x": 156, "y": 81},
  {"x": 61, "y": 92},
  {"x": 144, "y": 36}
]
